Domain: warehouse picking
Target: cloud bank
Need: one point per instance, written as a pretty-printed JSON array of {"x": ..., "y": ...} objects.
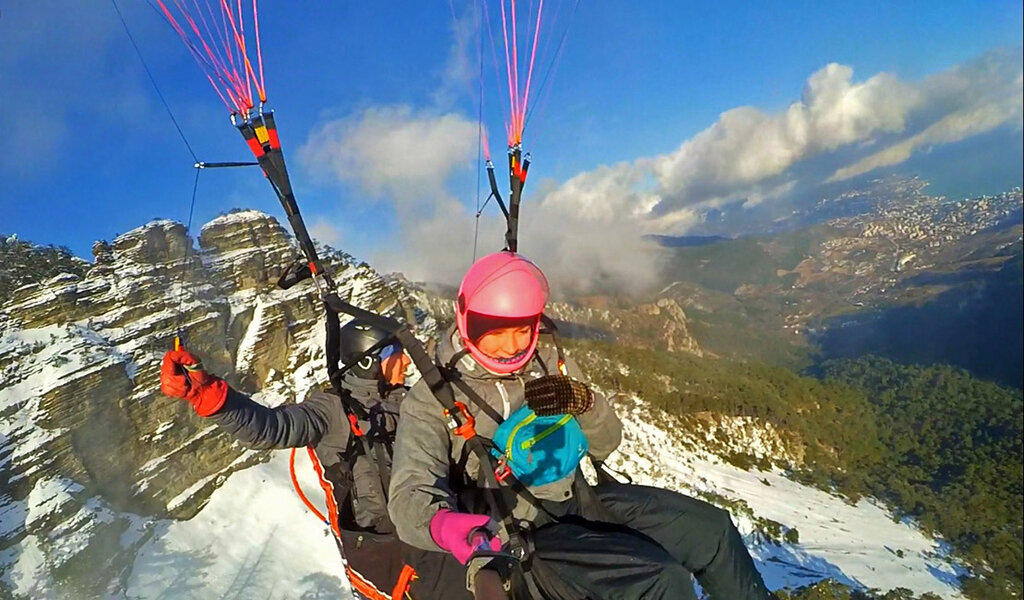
[{"x": 589, "y": 233}]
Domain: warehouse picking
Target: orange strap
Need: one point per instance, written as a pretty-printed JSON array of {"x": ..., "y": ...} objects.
[
  {"x": 354, "y": 422},
  {"x": 298, "y": 488},
  {"x": 364, "y": 586},
  {"x": 361, "y": 584},
  {"x": 332, "y": 506},
  {"x": 405, "y": 579}
]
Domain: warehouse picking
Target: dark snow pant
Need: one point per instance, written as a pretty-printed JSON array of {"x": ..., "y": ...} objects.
[{"x": 645, "y": 545}]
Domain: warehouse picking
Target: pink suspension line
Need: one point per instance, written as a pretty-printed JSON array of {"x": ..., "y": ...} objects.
[
  {"x": 529, "y": 72},
  {"x": 230, "y": 51},
  {"x": 515, "y": 72},
  {"x": 494, "y": 59},
  {"x": 206, "y": 64},
  {"x": 508, "y": 69},
  {"x": 240, "y": 42},
  {"x": 519, "y": 97},
  {"x": 261, "y": 86}
]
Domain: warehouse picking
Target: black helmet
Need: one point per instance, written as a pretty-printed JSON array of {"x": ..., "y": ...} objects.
[{"x": 356, "y": 338}]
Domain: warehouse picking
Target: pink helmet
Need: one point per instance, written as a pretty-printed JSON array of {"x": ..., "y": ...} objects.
[{"x": 503, "y": 285}]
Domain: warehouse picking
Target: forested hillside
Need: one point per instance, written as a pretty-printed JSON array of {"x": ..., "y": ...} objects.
[
  {"x": 934, "y": 443},
  {"x": 952, "y": 461}
]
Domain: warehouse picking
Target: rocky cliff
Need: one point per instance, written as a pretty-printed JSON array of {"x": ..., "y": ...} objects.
[{"x": 87, "y": 440}]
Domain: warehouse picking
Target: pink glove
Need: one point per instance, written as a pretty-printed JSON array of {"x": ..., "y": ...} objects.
[{"x": 463, "y": 534}]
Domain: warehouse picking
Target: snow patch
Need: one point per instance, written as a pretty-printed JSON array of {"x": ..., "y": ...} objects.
[
  {"x": 859, "y": 544},
  {"x": 240, "y": 216},
  {"x": 49, "y": 496},
  {"x": 247, "y": 345},
  {"x": 253, "y": 539}
]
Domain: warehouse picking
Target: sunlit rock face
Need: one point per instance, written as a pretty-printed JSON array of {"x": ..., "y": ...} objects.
[{"x": 90, "y": 450}]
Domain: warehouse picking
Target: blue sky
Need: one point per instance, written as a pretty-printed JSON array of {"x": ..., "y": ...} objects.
[{"x": 646, "y": 121}]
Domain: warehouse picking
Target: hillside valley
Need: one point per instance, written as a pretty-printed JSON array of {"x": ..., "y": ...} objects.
[{"x": 743, "y": 380}]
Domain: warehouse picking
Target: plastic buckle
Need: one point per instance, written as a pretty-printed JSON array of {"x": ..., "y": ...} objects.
[
  {"x": 466, "y": 429},
  {"x": 354, "y": 422},
  {"x": 502, "y": 471}
]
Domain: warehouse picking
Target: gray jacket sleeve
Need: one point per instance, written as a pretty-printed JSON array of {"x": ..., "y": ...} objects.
[
  {"x": 291, "y": 426},
  {"x": 419, "y": 480},
  {"x": 601, "y": 425}
]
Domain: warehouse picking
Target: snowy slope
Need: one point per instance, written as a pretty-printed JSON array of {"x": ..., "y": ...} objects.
[
  {"x": 855, "y": 544},
  {"x": 256, "y": 539}
]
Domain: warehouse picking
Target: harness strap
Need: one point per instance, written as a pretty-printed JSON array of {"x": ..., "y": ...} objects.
[
  {"x": 405, "y": 579},
  {"x": 551, "y": 329},
  {"x": 457, "y": 381},
  {"x": 506, "y": 477},
  {"x": 385, "y": 475}
]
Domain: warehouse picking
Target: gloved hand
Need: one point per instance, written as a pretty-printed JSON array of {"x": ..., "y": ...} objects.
[
  {"x": 182, "y": 376},
  {"x": 558, "y": 395},
  {"x": 463, "y": 534}
]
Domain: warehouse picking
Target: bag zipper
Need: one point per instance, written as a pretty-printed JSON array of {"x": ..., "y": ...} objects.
[
  {"x": 512, "y": 436},
  {"x": 526, "y": 445}
]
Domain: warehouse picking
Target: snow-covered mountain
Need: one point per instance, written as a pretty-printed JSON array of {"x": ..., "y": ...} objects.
[
  {"x": 112, "y": 490},
  {"x": 91, "y": 454}
]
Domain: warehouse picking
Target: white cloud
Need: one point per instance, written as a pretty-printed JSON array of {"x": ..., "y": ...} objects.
[
  {"x": 977, "y": 97},
  {"x": 326, "y": 232},
  {"x": 589, "y": 233},
  {"x": 752, "y": 155},
  {"x": 392, "y": 151},
  {"x": 405, "y": 158},
  {"x": 748, "y": 146}
]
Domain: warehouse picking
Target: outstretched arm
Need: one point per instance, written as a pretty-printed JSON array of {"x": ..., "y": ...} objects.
[
  {"x": 291, "y": 426},
  {"x": 182, "y": 376}
]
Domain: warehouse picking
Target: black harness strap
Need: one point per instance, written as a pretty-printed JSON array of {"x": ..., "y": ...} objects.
[
  {"x": 510, "y": 480},
  {"x": 385, "y": 475}
]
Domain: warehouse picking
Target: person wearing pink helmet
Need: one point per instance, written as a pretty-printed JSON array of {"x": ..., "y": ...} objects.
[{"x": 526, "y": 502}]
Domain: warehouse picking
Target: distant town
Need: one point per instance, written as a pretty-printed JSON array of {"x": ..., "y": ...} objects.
[{"x": 902, "y": 232}]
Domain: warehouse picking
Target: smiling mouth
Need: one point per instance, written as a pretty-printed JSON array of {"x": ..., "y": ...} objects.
[{"x": 507, "y": 360}]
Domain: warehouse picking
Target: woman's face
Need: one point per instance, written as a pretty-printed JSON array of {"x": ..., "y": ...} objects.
[{"x": 506, "y": 342}]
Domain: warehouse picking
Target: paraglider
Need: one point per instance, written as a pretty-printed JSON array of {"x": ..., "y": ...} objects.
[
  {"x": 221, "y": 37},
  {"x": 488, "y": 448}
]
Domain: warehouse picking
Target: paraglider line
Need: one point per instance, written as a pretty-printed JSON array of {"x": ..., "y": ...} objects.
[
  {"x": 155, "y": 86},
  {"x": 554, "y": 61},
  {"x": 261, "y": 87},
  {"x": 480, "y": 131},
  {"x": 529, "y": 71},
  {"x": 192, "y": 205},
  {"x": 508, "y": 70},
  {"x": 494, "y": 60},
  {"x": 222, "y": 165}
]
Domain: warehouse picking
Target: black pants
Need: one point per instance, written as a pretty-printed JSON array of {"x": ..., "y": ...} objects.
[{"x": 645, "y": 544}]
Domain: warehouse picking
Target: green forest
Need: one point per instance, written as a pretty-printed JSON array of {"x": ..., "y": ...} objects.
[{"x": 934, "y": 443}]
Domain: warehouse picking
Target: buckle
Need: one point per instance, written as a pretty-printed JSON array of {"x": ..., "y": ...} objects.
[
  {"x": 467, "y": 428},
  {"x": 502, "y": 471}
]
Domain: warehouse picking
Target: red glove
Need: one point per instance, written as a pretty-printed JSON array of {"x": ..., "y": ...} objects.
[{"x": 182, "y": 376}]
